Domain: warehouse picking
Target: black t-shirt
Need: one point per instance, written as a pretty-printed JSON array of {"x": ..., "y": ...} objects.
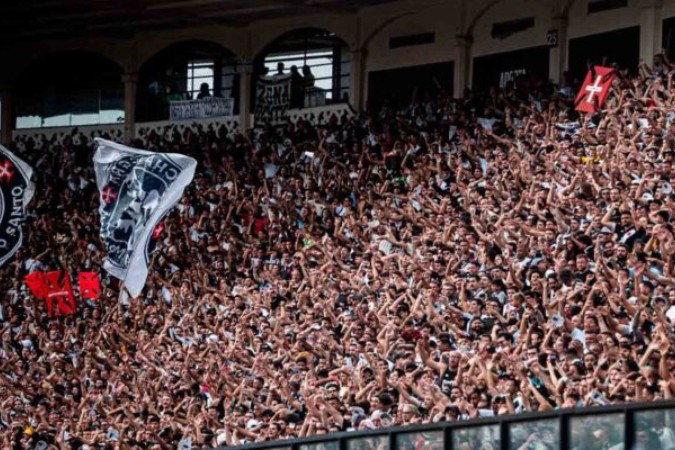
[
  {"x": 447, "y": 380},
  {"x": 583, "y": 275}
]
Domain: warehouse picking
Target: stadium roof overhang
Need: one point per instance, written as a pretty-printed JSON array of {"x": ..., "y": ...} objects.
[{"x": 50, "y": 19}]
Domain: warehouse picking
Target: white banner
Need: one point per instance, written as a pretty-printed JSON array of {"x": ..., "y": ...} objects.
[
  {"x": 273, "y": 97},
  {"x": 137, "y": 189},
  {"x": 201, "y": 109},
  {"x": 16, "y": 191}
]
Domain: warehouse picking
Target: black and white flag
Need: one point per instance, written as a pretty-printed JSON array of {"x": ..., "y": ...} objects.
[
  {"x": 273, "y": 98},
  {"x": 137, "y": 189},
  {"x": 16, "y": 191}
]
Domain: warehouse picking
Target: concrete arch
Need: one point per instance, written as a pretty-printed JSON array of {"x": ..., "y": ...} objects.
[
  {"x": 289, "y": 34},
  {"x": 167, "y": 71},
  {"x": 344, "y": 30},
  {"x": 471, "y": 26},
  {"x": 564, "y": 12},
  {"x": 363, "y": 45},
  {"x": 26, "y": 59},
  {"x": 484, "y": 9},
  {"x": 306, "y": 40},
  {"x": 60, "y": 86},
  {"x": 87, "y": 58},
  {"x": 231, "y": 39},
  {"x": 176, "y": 45}
]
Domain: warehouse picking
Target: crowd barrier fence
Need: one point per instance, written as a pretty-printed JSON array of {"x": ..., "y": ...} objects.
[{"x": 634, "y": 426}]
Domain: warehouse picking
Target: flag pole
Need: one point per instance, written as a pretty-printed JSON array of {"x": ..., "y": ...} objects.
[{"x": 124, "y": 292}]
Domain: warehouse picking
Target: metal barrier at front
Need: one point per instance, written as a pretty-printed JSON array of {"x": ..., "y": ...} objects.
[{"x": 637, "y": 426}]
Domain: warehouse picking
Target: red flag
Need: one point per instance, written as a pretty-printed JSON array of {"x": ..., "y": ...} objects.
[
  {"x": 595, "y": 89},
  {"x": 157, "y": 232},
  {"x": 90, "y": 285},
  {"x": 61, "y": 291},
  {"x": 37, "y": 284}
]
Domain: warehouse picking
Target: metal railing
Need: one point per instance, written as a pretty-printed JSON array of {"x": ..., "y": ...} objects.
[{"x": 633, "y": 426}]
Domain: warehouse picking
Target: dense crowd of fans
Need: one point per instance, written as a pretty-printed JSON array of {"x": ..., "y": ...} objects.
[{"x": 437, "y": 261}]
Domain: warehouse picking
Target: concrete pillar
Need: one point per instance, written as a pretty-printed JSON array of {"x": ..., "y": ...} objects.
[
  {"x": 6, "y": 122},
  {"x": 651, "y": 28},
  {"x": 558, "y": 55},
  {"x": 462, "y": 75},
  {"x": 130, "y": 81},
  {"x": 357, "y": 79},
  {"x": 245, "y": 86}
]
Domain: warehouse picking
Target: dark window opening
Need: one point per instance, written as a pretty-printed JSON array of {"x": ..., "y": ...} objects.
[
  {"x": 620, "y": 47},
  {"x": 70, "y": 89},
  {"x": 412, "y": 39},
  {"x": 396, "y": 88},
  {"x": 669, "y": 37},
  {"x": 502, "y": 69},
  {"x": 502, "y": 30},
  {"x": 595, "y": 6}
]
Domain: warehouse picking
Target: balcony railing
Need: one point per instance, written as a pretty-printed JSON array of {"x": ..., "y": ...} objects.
[
  {"x": 57, "y": 135},
  {"x": 637, "y": 426},
  {"x": 319, "y": 115}
]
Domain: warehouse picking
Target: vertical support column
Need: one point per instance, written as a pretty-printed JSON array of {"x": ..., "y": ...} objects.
[
  {"x": 629, "y": 428},
  {"x": 357, "y": 79},
  {"x": 6, "y": 122},
  {"x": 130, "y": 81},
  {"x": 564, "y": 431},
  {"x": 447, "y": 438},
  {"x": 650, "y": 29},
  {"x": 558, "y": 54},
  {"x": 245, "y": 86},
  {"x": 462, "y": 73},
  {"x": 504, "y": 435}
]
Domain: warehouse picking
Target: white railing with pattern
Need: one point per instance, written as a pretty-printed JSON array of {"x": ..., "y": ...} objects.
[
  {"x": 318, "y": 115},
  {"x": 57, "y": 135}
]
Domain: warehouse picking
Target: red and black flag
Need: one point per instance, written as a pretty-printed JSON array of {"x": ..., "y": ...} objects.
[{"x": 60, "y": 291}]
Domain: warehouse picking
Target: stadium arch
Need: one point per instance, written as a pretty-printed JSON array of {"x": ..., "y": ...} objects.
[
  {"x": 508, "y": 41},
  {"x": 405, "y": 43},
  {"x": 83, "y": 88},
  {"x": 326, "y": 53},
  {"x": 178, "y": 70}
]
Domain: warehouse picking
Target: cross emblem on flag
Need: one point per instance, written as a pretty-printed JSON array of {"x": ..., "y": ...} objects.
[
  {"x": 595, "y": 89},
  {"x": 137, "y": 189},
  {"x": 108, "y": 195},
  {"x": 6, "y": 172},
  {"x": 157, "y": 232}
]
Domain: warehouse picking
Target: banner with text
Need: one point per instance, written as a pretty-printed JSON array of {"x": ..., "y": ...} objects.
[
  {"x": 202, "y": 108},
  {"x": 273, "y": 97}
]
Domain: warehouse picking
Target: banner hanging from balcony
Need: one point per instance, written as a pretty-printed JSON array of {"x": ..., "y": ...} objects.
[
  {"x": 16, "y": 191},
  {"x": 137, "y": 189},
  {"x": 272, "y": 99},
  {"x": 202, "y": 108}
]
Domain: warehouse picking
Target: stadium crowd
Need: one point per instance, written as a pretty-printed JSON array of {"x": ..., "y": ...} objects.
[{"x": 436, "y": 261}]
